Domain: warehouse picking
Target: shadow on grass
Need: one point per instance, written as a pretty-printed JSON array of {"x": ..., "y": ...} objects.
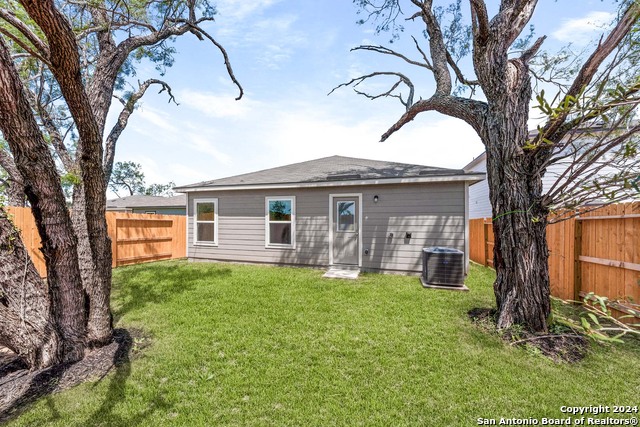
[
  {"x": 28, "y": 387},
  {"x": 140, "y": 285},
  {"x": 116, "y": 391}
]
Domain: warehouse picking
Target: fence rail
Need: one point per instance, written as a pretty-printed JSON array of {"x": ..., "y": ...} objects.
[
  {"x": 135, "y": 238},
  {"x": 596, "y": 252}
]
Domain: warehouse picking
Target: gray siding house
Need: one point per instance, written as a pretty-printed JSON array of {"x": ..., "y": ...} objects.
[
  {"x": 369, "y": 214},
  {"x": 174, "y": 205}
]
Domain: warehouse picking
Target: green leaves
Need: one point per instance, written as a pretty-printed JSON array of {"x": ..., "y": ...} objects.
[
  {"x": 565, "y": 106},
  {"x": 597, "y": 321}
]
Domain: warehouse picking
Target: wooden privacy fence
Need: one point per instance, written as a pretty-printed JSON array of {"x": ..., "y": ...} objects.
[
  {"x": 135, "y": 238},
  {"x": 596, "y": 252}
]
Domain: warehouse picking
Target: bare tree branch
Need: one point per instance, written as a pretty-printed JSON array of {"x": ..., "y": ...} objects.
[
  {"x": 469, "y": 110},
  {"x": 479, "y": 21},
  {"x": 401, "y": 79},
  {"x": 518, "y": 15},
  {"x": 123, "y": 120},
  {"x": 57, "y": 140},
  {"x": 437, "y": 48},
  {"x": 461, "y": 78},
  {"x": 531, "y": 52},
  {"x": 554, "y": 129},
  {"x": 110, "y": 58},
  {"x": 386, "y": 51},
  {"x": 585, "y": 161},
  {"x": 227, "y": 63}
]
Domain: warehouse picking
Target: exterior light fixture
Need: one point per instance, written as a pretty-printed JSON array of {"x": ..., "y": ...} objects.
[{"x": 375, "y": 199}]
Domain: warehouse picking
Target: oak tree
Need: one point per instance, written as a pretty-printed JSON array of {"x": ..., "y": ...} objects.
[
  {"x": 495, "y": 99},
  {"x": 61, "y": 64}
]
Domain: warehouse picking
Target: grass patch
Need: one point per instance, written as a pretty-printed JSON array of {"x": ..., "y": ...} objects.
[{"x": 238, "y": 345}]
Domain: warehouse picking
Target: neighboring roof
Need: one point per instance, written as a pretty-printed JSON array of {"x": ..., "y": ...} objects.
[
  {"x": 473, "y": 163},
  {"x": 333, "y": 171},
  {"x": 139, "y": 201}
]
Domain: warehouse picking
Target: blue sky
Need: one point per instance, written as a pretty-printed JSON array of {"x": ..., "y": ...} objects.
[{"x": 288, "y": 54}]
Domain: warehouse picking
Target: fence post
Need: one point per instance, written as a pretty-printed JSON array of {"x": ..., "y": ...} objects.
[{"x": 577, "y": 251}]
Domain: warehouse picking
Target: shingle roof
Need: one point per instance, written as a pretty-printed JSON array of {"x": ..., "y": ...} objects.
[
  {"x": 330, "y": 169},
  {"x": 139, "y": 201}
]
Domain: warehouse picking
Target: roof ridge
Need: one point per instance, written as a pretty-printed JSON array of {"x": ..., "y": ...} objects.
[{"x": 325, "y": 168}]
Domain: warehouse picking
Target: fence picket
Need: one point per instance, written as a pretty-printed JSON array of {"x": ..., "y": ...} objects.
[
  {"x": 135, "y": 238},
  {"x": 609, "y": 233}
]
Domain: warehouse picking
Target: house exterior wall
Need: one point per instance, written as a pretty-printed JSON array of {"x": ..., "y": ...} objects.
[
  {"x": 160, "y": 211},
  {"x": 479, "y": 202},
  {"x": 434, "y": 213}
]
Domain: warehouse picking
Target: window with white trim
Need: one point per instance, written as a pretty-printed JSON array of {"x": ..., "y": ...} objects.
[
  {"x": 205, "y": 219},
  {"x": 280, "y": 218}
]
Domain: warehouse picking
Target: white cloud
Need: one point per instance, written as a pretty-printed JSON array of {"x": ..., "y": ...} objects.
[
  {"x": 443, "y": 142},
  {"x": 152, "y": 171},
  {"x": 241, "y": 9},
  {"x": 583, "y": 30},
  {"x": 217, "y": 106},
  {"x": 272, "y": 40},
  {"x": 199, "y": 142},
  {"x": 160, "y": 119},
  {"x": 186, "y": 174}
]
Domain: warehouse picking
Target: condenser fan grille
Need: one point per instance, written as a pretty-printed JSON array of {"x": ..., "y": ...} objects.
[{"x": 443, "y": 266}]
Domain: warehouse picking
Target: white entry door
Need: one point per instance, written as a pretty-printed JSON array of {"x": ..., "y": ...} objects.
[{"x": 346, "y": 230}]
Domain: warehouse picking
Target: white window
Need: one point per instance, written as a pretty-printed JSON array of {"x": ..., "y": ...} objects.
[
  {"x": 280, "y": 222},
  {"x": 205, "y": 218}
]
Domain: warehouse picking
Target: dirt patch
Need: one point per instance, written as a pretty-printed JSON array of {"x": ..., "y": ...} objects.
[
  {"x": 20, "y": 387},
  {"x": 482, "y": 315},
  {"x": 569, "y": 348}
]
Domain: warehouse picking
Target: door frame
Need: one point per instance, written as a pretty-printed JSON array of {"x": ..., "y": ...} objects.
[{"x": 331, "y": 203}]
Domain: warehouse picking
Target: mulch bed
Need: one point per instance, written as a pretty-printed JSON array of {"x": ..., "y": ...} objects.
[
  {"x": 20, "y": 387},
  {"x": 570, "y": 348}
]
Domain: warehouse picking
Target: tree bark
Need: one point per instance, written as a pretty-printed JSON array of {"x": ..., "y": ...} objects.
[
  {"x": 15, "y": 188},
  {"x": 514, "y": 175},
  {"x": 26, "y": 323},
  {"x": 100, "y": 321},
  {"x": 519, "y": 226},
  {"x": 42, "y": 187},
  {"x": 65, "y": 66}
]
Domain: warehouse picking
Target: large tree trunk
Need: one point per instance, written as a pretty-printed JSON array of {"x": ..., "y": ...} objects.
[
  {"x": 520, "y": 249},
  {"x": 519, "y": 220},
  {"x": 99, "y": 326},
  {"x": 42, "y": 187},
  {"x": 26, "y": 324},
  {"x": 65, "y": 66}
]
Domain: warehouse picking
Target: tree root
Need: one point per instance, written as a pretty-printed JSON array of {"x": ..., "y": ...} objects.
[{"x": 20, "y": 387}]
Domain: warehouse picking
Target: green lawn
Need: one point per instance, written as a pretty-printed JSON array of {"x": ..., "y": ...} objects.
[{"x": 259, "y": 346}]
